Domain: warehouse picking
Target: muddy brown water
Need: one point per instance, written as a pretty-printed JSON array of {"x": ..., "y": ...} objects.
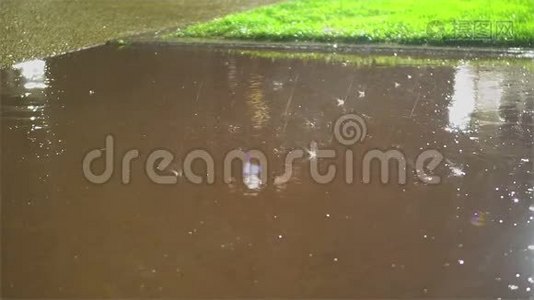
[{"x": 472, "y": 235}]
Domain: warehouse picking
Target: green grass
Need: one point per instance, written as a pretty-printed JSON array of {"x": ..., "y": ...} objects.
[{"x": 365, "y": 21}]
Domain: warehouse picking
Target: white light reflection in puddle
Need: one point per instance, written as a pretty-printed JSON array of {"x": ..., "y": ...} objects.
[
  {"x": 475, "y": 92},
  {"x": 31, "y": 112},
  {"x": 463, "y": 99},
  {"x": 33, "y": 72}
]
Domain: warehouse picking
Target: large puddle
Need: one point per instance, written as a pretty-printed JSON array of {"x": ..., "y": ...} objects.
[{"x": 470, "y": 235}]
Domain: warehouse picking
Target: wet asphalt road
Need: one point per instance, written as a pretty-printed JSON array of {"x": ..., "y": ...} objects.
[{"x": 36, "y": 28}]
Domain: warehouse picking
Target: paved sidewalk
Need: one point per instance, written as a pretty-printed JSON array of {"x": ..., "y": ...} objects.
[{"x": 38, "y": 28}]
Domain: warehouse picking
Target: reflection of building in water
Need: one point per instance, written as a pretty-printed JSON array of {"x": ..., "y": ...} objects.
[
  {"x": 492, "y": 106},
  {"x": 493, "y": 103},
  {"x": 25, "y": 103},
  {"x": 517, "y": 106},
  {"x": 258, "y": 109},
  {"x": 232, "y": 74},
  {"x": 463, "y": 99},
  {"x": 477, "y": 93}
]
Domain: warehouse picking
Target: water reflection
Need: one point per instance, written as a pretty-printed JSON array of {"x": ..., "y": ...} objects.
[
  {"x": 493, "y": 104},
  {"x": 26, "y": 105},
  {"x": 252, "y": 174},
  {"x": 493, "y": 107},
  {"x": 463, "y": 99},
  {"x": 24, "y": 89},
  {"x": 468, "y": 237},
  {"x": 475, "y": 92},
  {"x": 258, "y": 107},
  {"x": 33, "y": 73}
]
